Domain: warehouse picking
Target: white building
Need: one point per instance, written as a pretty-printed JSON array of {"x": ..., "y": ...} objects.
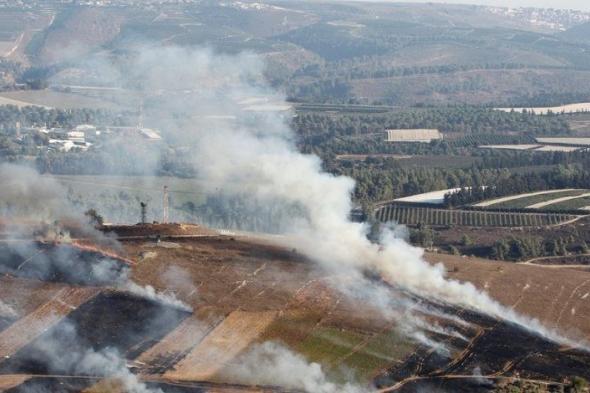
[
  {"x": 76, "y": 136},
  {"x": 421, "y": 135}
]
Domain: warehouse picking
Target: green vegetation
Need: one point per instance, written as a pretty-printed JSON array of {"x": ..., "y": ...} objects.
[
  {"x": 573, "y": 176},
  {"x": 330, "y": 134},
  {"x": 578, "y": 385},
  {"x": 31, "y": 116},
  {"x": 522, "y": 203},
  {"x": 577, "y": 203},
  {"x": 414, "y": 215}
]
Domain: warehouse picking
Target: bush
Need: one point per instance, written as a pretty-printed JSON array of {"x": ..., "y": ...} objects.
[
  {"x": 94, "y": 218},
  {"x": 579, "y": 385}
]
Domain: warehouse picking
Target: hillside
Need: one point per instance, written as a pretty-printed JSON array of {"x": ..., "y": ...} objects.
[
  {"x": 578, "y": 33},
  {"x": 399, "y": 54},
  {"x": 246, "y": 293}
]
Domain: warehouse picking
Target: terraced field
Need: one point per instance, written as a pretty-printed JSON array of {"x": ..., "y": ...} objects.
[
  {"x": 45, "y": 317},
  {"x": 251, "y": 292},
  {"x": 561, "y": 200},
  {"x": 582, "y": 203},
  {"x": 410, "y": 215},
  {"x": 520, "y": 201},
  {"x": 221, "y": 345}
]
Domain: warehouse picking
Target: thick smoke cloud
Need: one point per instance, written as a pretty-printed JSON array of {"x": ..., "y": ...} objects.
[{"x": 202, "y": 101}]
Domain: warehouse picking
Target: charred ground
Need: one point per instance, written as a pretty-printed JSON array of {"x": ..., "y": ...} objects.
[{"x": 251, "y": 290}]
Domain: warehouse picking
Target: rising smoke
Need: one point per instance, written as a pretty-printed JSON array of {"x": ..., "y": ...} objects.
[
  {"x": 202, "y": 102},
  {"x": 252, "y": 152}
]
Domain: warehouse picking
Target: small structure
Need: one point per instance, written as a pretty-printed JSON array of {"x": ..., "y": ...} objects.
[
  {"x": 421, "y": 135},
  {"x": 149, "y": 134},
  {"x": 76, "y": 136}
]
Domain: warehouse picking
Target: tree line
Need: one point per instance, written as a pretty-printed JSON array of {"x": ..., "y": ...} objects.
[{"x": 562, "y": 176}]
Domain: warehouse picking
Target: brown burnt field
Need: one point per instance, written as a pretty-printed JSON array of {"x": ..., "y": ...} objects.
[{"x": 246, "y": 291}]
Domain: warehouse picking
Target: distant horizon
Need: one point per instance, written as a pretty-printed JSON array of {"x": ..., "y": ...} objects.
[{"x": 580, "y": 5}]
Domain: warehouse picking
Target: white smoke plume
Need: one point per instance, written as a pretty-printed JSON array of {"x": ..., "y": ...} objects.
[
  {"x": 202, "y": 101},
  {"x": 149, "y": 292},
  {"x": 272, "y": 364}
]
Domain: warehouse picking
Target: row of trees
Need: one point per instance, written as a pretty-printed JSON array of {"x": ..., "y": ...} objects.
[
  {"x": 522, "y": 248},
  {"x": 327, "y": 133},
  {"x": 31, "y": 116},
  {"x": 376, "y": 68}
]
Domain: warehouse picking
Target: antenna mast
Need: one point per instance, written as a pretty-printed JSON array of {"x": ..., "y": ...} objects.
[{"x": 165, "y": 205}]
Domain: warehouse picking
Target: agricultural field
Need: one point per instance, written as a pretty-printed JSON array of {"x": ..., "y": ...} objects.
[
  {"x": 17, "y": 28},
  {"x": 521, "y": 201},
  {"x": 565, "y": 149},
  {"x": 172, "y": 348},
  {"x": 433, "y": 197},
  {"x": 536, "y": 147},
  {"x": 580, "y": 124},
  {"x": 208, "y": 359},
  {"x": 55, "y": 99},
  {"x": 410, "y": 215},
  {"x": 461, "y": 139},
  {"x": 510, "y": 147},
  {"x": 4, "y": 100},
  {"x": 563, "y": 202},
  {"x": 254, "y": 290},
  {"x": 566, "y": 141},
  {"x": 569, "y": 108},
  {"x": 46, "y": 316}
]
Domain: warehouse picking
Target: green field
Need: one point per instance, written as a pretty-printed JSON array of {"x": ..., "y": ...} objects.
[
  {"x": 56, "y": 99},
  {"x": 337, "y": 348},
  {"x": 522, "y": 203},
  {"x": 410, "y": 215},
  {"x": 578, "y": 203}
]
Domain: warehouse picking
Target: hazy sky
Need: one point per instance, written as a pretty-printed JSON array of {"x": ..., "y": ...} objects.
[{"x": 573, "y": 4}]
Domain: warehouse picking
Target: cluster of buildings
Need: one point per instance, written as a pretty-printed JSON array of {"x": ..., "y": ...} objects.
[
  {"x": 83, "y": 136},
  {"x": 548, "y": 18}
]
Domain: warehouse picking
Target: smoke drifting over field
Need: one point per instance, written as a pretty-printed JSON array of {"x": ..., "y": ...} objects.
[
  {"x": 253, "y": 152},
  {"x": 271, "y": 363},
  {"x": 202, "y": 101},
  {"x": 210, "y": 104}
]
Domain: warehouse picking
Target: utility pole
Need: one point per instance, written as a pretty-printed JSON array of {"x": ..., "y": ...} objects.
[
  {"x": 165, "y": 205},
  {"x": 143, "y": 212}
]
